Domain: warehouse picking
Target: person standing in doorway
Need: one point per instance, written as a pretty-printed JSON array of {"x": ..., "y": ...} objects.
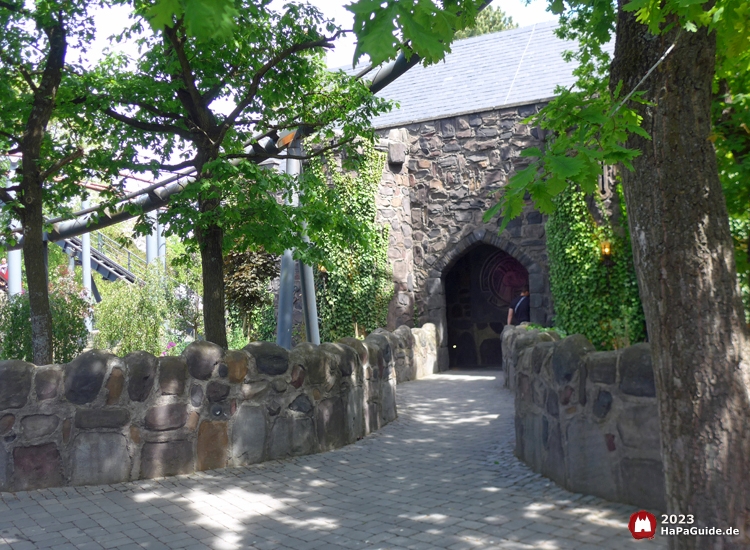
[{"x": 518, "y": 312}]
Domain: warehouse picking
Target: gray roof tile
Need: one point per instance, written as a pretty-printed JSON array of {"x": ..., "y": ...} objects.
[{"x": 484, "y": 72}]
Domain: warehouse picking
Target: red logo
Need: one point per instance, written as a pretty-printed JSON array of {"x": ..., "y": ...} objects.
[{"x": 642, "y": 525}]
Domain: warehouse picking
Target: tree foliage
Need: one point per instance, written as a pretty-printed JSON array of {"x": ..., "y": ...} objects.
[
  {"x": 425, "y": 27},
  {"x": 490, "y": 19},
  {"x": 134, "y": 317},
  {"x": 197, "y": 103},
  {"x": 41, "y": 123}
]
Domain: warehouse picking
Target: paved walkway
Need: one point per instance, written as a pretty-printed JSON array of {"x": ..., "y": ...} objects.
[{"x": 442, "y": 476}]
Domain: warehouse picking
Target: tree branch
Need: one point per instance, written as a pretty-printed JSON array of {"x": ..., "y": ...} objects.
[
  {"x": 187, "y": 76},
  {"x": 270, "y": 64},
  {"x": 10, "y": 137},
  {"x": 212, "y": 92},
  {"x": 14, "y": 8},
  {"x": 27, "y": 77},
  {"x": 22, "y": 70},
  {"x": 260, "y": 158},
  {"x": 155, "y": 110},
  {"x": 6, "y": 197},
  {"x": 148, "y": 126},
  {"x": 59, "y": 163}
]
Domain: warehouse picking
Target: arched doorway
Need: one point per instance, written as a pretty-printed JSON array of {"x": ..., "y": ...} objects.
[{"x": 478, "y": 290}]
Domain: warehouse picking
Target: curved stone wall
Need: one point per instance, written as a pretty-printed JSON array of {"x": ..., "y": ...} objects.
[
  {"x": 105, "y": 419},
  {"x": 586, "y": 419}
]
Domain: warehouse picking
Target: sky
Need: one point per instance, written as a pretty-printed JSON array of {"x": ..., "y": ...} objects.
[
  {"x": 523, "y": 14},
  {"x": 113, "y": 21}
]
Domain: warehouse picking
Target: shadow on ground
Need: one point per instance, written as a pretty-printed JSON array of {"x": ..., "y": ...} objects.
[{"x": 442, "y": 476}]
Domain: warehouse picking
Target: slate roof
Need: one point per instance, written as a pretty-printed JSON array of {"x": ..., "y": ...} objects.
[{"x": 518, "y": 66}]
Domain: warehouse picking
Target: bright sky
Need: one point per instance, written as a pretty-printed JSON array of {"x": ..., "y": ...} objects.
[
  {"x": 113, "y": 21},
  {"x": 522, "y": 13}
]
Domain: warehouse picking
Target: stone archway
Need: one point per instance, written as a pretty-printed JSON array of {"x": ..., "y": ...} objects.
[
  {"x": 479, "y": 288},
  {"x": 433, "y": 296}
]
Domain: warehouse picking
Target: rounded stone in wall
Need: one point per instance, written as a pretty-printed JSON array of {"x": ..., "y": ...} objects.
[
  {"x": 47, "y": 381},
  {"x": 141, "y": 373},
  {"x": 39, "y": 425},
  {"x": 202, "y": 357},
  {"x": 269, "y": 358},
  {"x": 84, "y": 376},
  {"x": 172, "y": 375},
  {"x": 16, "y": 377}
]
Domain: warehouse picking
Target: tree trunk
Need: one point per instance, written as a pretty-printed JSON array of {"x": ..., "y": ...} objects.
[
  {"x": 683, "y": 255},
  {"x": 211, "y": 240},
  {"x": 31, "y": 195},
  {"x": 36, "y": 276}
]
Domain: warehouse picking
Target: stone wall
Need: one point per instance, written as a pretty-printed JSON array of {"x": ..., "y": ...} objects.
[
  {"x": 440, "y": 178},
  {"x": 105, "y": 419},
  {"x": 588, "y": 420}
]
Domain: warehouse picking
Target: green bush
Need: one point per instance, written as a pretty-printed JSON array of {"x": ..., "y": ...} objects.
[
  {"x": 593, "y": 297},
  {"x": 134, "y": 317},
  {"x": 69, "y": 311},
  {"x": 262, "y": 324}
]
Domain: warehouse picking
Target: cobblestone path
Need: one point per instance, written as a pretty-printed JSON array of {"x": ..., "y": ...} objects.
[{"x": 442, "y": 476}]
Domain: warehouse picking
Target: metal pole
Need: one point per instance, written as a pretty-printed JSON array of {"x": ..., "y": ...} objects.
[
  {"x": 161, "y": 244},
  {"x": 286, "y": 301},
  {"x": 14, "y": 272},
  {"x": 286, "y": 288},
  {"x": 86, "y": 265},
  {"x": 309, "y": 306},
  {"x": 151, "y": 240}
]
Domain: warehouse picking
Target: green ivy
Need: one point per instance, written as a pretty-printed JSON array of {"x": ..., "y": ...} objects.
[
  {"x": 355, "y": 285},
  {"x": 594, "y": 297}
]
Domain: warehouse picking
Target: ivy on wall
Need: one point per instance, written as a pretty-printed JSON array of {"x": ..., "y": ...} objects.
[
  {"x": 355, "y": 286},
  {"x": 593, "y": 296}
]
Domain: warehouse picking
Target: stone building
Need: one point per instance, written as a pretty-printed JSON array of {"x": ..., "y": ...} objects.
[{"x": 452, "y": 145}]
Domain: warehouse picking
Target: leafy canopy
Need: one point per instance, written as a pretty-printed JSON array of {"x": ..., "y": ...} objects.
[
  {"x": 490, "y": 19},
  {"x": 188, "y": 103},
  {"x": 65, "y": 156}
]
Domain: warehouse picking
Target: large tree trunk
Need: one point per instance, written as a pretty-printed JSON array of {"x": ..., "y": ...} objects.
[
  {"x": 36, "y": 276},
  {"x": 31, "y": 195},
  {"x": 211, "y": 240},
  {"x": 683, "y": 255}
]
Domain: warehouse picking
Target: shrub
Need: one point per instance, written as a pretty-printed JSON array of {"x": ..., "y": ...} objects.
[
  {"x": 69, "y": 312},
  {"x": 134, "y": 317}
]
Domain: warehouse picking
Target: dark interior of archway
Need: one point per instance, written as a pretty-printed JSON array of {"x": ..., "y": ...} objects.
[{"x": 478, "y": 291}]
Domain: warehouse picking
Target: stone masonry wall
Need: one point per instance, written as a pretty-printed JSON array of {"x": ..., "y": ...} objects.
[
  {"x": 588, "y": 420},
  {"x": 440, "y": 178},
  {"x": 105, "y": 419}
]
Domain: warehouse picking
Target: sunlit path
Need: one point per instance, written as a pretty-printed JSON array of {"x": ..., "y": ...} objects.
[{"x": 442, "y": 476}]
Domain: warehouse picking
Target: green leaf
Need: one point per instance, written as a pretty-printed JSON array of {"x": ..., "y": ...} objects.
[
  {"x": 563, "y": 166},
  {"x": 531, "y": 152}
]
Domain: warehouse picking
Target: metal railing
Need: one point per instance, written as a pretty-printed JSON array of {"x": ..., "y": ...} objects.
[{"x": 132, "y": 261}]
